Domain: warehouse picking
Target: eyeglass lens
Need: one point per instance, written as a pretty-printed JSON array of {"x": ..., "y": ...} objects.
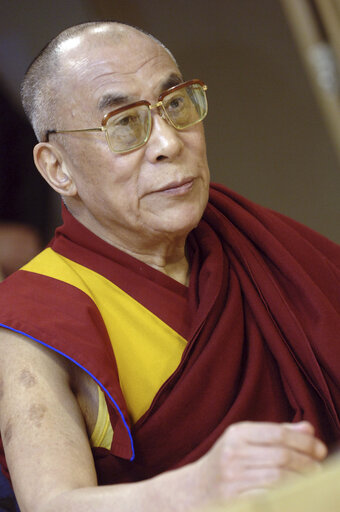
[{"x": 131, "y": 128}]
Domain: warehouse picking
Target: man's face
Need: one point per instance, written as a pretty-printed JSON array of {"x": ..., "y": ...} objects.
[{"x": 156, "y": 192}]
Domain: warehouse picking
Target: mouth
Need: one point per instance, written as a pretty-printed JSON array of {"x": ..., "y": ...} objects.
[{"x": 177, "y": 187}]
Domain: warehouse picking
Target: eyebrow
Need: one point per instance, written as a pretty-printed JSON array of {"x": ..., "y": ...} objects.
[
  {"x": 171, "y": 81},
  {"x": 113, "y": 100}
]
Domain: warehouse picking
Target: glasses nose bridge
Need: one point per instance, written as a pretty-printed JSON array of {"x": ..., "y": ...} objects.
[{"x": 160, "y": 109}]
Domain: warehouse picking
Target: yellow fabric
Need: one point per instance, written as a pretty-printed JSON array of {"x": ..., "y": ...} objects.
[
  {"x": 102, "y": 434},
  {"x": 147, "y": 350}
]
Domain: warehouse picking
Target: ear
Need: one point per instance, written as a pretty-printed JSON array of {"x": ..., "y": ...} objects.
[{"x": 53, "y": 168}]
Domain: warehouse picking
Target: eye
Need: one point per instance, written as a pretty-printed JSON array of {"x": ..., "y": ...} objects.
[
  {"x": 176, "y": 103},
  {"x": 128, "y": 120}
]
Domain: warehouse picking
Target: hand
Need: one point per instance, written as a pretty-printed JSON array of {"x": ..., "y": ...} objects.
[{"x": 250, "y": 457}]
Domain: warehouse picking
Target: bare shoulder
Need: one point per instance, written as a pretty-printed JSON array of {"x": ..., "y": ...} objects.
[
  {"x": 28, "y": 370},
  {"x": 42, "y": 427},
  {"x": 24, "y": 363},
  {"x": 28, "y": 358}
]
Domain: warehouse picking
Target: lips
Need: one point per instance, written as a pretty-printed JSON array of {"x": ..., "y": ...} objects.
[{"x": 174, "y": 186}]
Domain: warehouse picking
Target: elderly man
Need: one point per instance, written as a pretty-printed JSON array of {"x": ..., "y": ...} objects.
[{"x": 191, "y": 359}]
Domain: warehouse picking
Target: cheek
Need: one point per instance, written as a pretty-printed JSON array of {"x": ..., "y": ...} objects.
[
  {"x": 199, "y": 158},
  {"x": 111, "y": 185},
  {"x": 84, "y": 161},
  {"x": 93, "y": 164},
  {"x": 195, "y": 142}
]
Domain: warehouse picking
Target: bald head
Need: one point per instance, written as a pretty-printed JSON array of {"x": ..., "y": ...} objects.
[{"x": 44, "y": 86}]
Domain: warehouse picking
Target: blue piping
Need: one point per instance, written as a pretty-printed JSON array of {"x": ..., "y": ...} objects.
[{"x": 88, "y": 372}]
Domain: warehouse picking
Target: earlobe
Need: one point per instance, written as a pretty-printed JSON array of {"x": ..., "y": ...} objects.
[{"x": 52, "y": 166}]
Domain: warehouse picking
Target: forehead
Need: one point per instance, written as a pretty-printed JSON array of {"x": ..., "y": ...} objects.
[{"x": 132, "y": 64}]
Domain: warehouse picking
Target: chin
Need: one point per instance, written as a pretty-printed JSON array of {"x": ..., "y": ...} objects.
[{"x": 181, "y": 224}]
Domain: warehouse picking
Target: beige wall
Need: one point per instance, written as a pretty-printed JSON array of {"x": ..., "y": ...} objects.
[{"x": 266, "y": 137}]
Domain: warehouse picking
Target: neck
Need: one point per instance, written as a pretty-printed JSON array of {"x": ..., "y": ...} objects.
[
  {"x": 166, "y": 253},
  {"x": 177, "y": 269},
  {"x": 171, "y": 259}
]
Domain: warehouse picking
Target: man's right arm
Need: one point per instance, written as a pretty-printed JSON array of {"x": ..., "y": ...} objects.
[
  {"x": 47, "y": 447},
  {"x": 50, "y": 460}
]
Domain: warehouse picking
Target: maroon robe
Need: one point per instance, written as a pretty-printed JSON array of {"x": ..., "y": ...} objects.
[{"x": 262, "y": 320}]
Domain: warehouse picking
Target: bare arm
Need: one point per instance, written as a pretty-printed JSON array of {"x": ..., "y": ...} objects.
[
  {"x": 51, "y": 464},
  {"x": 46, "y": 443}
]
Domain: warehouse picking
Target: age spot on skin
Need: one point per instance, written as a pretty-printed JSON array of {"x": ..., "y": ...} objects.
[
  {"x": 27, "y": 378},
  {"x": 36, "y": 413}
]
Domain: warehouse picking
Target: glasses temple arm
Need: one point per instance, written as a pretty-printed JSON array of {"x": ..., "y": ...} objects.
[{"x": 48, "y": 133}]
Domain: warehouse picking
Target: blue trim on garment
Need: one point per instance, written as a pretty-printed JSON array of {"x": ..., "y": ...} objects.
[{"x": 88, "y": 372}]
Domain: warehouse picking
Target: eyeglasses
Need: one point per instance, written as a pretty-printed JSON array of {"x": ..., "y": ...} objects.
[{"x": 129, "y": 127}]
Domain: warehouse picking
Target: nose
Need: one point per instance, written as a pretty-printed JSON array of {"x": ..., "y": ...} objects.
[{"x": 165, "y": 141}]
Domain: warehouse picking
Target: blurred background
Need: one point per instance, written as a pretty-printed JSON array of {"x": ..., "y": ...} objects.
[{"x": 267, "y": 136}]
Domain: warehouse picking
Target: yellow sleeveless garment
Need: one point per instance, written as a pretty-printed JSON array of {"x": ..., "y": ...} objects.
[{"x": 146, "y": 349}]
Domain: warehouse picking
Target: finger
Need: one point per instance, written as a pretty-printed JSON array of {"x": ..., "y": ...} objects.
[
  {"x": 301, "y": 439},
  {"x": 304, "y": 426},
  {"x": 277, "y": 434},
  {"x": 253, "y": 456}
]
